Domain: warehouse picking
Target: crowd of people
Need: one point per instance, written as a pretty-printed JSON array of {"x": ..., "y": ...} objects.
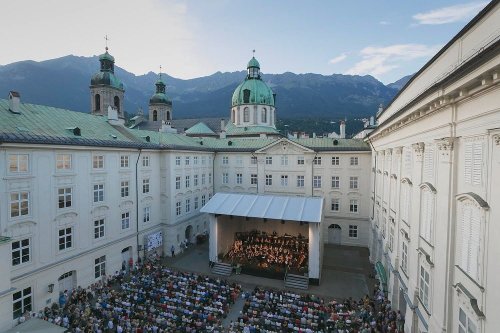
[
  {"x": 272, "y": 311},
  {"x": 269, "y": 250},
  {"x": 151, "y": 299}
]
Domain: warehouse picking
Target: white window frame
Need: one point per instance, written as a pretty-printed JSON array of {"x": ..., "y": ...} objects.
[
  {"x": 187, "y": 206},
  {"x": 21, "y": 199},
  {"x": 317, "y": 160},
  {"x": 335, "y": 205},
  {"x": 146, "y": 161},
  {"x": 177, "y": 182},
  {"x": 146, "y": 214},
  {"x": 354, "y": 205},
  {"x": 239, "y": 178},
  {"x": 125, "y": 220},
  {"x": 336, "y": 182},
  {"x": 465, "y": 324},
  {"x": 203, "y": 179},
  {"x": 253, "y": 179},
  {"x": 100, "y": 267},
  {"x": 404, "y": 256},
  {"x": 124, "y": 161},
  {"x": 98, "y": 193},
  {"x": 424, "y": 287},
  {"x": 195, "y": 180},
  {"x": 203, "y": 200},
  {"x": 19, "y": 163},
  {"x": 145, "y": 186},
  {"x": 300, "y": 181},
  {"x": 253, "y": 160},
  {"x": 25, "y": 299},
  {"x": 177, "y": 160},
  {"x": 21, "y": 252},
  {"x": 269, "y": 180},
  {"x": 353, "y": 182},
  {"x": 354, "y": 160},
  {"x": 284, "y": 180},
  {"x": 269, "y": 160},
  {"x": 353, "y": 231},
  {"x": 195, "y": 160},
  {"x": 300, "y": 160},
  {"x": 64, "y": 162},
  {"x": 187, "y": 160},
  {"x": 65, "y": 239},
  {"x": 195, "y": 200},
  {"x": 335, "y": 160},
  {"x": 187, "y": 181},
  {"x": 225, "y": 178},
  {"x": 99, "y": 228},
  {"x": 225, "y": 160},
  {"x": 284, "y": 160},
  {"x": 178, "y": 208},
  {"x": 317, "y": 182},
  {"x": 124, "y": 188},
  {"x": 65, "y": 197},
  {"x": 98, "y": 162}
]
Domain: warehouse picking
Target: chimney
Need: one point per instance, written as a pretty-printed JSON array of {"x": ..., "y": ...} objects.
[
  {"x": 14, "y": 101},
  {"x": 222, "y": 125},
  {"x": 113, "y": 116},
  {"x": 314, "y": 135},
  {"x": 342, "y": 129}
]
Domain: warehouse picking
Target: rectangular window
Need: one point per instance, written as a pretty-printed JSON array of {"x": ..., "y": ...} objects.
[
  {"x": 146, "y": 214},
  {"x": 269, "y": 160},
  {"x": 300, "y": 181},
  {"x": 195, "y": 202},
  {"x": 335, "y": 182},
  {"x": 203, "y": 200},
  {"x": 210, "y": 178},
  {"x": 203, "y": 179},
  {"x": 63, "y": 161},
  {"x": 239, "y": 160},
  {"x": 19, "y": 204},
  {"x": 187, "y": 181},
  {"x": 188, "y": 205},
  {"x": 98, "y": 192},
  {"x": 335, "y": 204},
  {"x": 64, "y": 196},
  {"x": 21, "y": 302},
  {"x": 124, "y": 189},
  {"x": 187, "y": 160},
  {"x": 353, "y": 206},
  {"x": 284, "y": 160},
  {"x": 353, "y": 183},
  {"x": 225, "y": 178},
  {"x": 124, "y": 161},
  {"x": 253, "y": 179},
  {"x": 465, "y": 324},
  {"x": 300, "y": 160},
  {"x": 195, "y": 180},
  {"x": 145, "y": 186},
  {"x": 404, "y": 256},
  {"x": 98, "y": 228},
  {"x": 125, "y": 220},
  {"x": 473, "y": 163},
  {"x": 424, "y": 287},
  {"x": 316, "y": 181},
  {"x": 100, "y": 267},
  {"x": 239, "y": 178},
  {"x": 20, "y": 251},
  {"x": 177, "y": 160},
  {"x": 225, "y": 160},
  {"x": 98, "y": 161},
  {"x": 203, "y": 160},
  {"x": 178, "y": 208},
  {"x": 177, "y": 183},
  {"x": 145, "y": 161},
  {"x": 209, "y": 196},
  {"x": 335, "y": 160},
  {"x": 65, "y": 238},
  {"x": 269, "y": 180},
  {"x": 354, "y": 161},
  {"x": 353, "y": 231},
  {"x": 195, "y": 160},
  {"x": 253, "y": 160},
  {"x": 391, "y": 236},
  {"x": 18, "y": 163},
  {"x": 317, "y": 160},
  {"x": 284, "y": 180}
]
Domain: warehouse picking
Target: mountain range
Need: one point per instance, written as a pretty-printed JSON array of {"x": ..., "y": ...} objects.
[{"x": 64, "y": 82}]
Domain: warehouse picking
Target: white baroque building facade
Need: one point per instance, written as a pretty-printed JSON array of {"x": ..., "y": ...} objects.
[{"x": 436, "y": 181}]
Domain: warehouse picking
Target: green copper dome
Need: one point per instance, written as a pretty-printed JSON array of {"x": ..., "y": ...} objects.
[
  {"x": 253, "y": 63},
  {"x": 253, "y": 91},
  {"x": 106, "y": 56},
  {"x": 107, "y": 79},
  {"x": 160, "y": 97}
]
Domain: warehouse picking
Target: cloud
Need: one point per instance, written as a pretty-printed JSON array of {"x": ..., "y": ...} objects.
[
  {"x": 380, "y": 60},
  {"x": 337, "y": 59},
  {"x": 384, "y": 23},
  {"x": 450, "y": 14}
]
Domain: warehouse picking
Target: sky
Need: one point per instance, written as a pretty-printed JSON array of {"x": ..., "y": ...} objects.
[{"x": 387, "y": 39}]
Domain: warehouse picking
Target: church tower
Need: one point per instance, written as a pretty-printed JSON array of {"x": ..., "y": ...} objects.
[
  {"x": 160, "y": 106},
  {"x": 253, "y": 101},
  {"x": 105, "y": 88}
]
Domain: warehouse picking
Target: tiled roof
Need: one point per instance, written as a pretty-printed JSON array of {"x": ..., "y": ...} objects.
[
  {"x": 231, "y": 129},
  {"x": 200, "y": 128},
  {"x": 329, "y": 144}
]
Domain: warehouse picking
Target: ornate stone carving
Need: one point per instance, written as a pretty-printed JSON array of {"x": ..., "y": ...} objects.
[
  {"x": 418, "y": 148},
  {"x": 445, "y": 146},
  {"x": 398, "y": 150},
  {"x": 496, "y": 139}
]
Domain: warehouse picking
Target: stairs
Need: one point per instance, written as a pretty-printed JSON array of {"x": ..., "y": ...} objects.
[
  {"x": 221, "y": 268},
  {"x": 297, "y": 281}
]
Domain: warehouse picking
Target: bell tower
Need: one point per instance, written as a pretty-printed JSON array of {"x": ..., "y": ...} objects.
[{"x": 160, "y": 106}]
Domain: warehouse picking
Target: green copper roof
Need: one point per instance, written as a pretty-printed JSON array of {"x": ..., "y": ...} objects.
[
  {"x": 253, "y": 63},
  {"x": 231, "y": 129},
  {"x": 259, "y": 93},
  {"x": 333, "y": 144},
  {"x": 107, "y": 56},
  {"x": 200, "y": 128},
  {"x": 160, "y": 98},
  {"x": 107, "y": 79}
]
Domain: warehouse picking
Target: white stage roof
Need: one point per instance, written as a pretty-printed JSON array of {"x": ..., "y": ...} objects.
[{"x": 306, "y": 209}]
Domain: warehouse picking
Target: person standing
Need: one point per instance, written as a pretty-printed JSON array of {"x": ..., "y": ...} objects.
[{"x": 172, "y": 249}]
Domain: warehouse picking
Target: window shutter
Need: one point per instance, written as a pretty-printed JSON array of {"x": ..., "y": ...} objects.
[
  {"x": 464, "y": 253},
  {"x": 407, "y": 162},
  {"x": 468, "y": 163},
  {"x": 424, "y": 213},
  {"x": 474, "y": 245},
  {"x": 429, "y": 163},
  {"x": 477, "y": 163},
  {"x": 404, "y": 202},
  {"x": 430, "y": 212}
]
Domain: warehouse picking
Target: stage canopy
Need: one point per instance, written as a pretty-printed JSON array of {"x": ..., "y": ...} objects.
[{"x": 305, "y": 209}]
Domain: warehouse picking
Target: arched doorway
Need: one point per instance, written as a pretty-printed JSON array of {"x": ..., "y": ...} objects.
[
  {"x": 67, "y": 281},
  {"x": 188, "y": 233},
  {"x": 126, "y": 255},
  {"x": 334, "y": 234}
]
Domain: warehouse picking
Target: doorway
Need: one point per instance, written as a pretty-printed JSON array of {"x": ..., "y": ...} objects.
[
  {"x": 67, "y": 281},
  {"x": 334, "y": 234},
  {"x": 188, "y": 233}
]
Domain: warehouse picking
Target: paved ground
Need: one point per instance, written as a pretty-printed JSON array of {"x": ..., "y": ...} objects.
[{"x": 346, "y": 271}]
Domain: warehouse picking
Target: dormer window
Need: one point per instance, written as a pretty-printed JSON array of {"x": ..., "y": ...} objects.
[{"x": 246, "y": 96}]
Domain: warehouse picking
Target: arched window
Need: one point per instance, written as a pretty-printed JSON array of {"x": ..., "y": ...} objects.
[
  {"x": 470, "y": 213},
  {"x": 168, "y": 115},
  {"x": 155, "y": 115},
  {"x": 246, "y": 96},
  {"x": 427, "y": 209},
  {"x": 97, "y": 102},
  {"x": 263, "y": 115},
  {"x": 117, "y": 102},
  {"x": 246, "y": 115}
]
